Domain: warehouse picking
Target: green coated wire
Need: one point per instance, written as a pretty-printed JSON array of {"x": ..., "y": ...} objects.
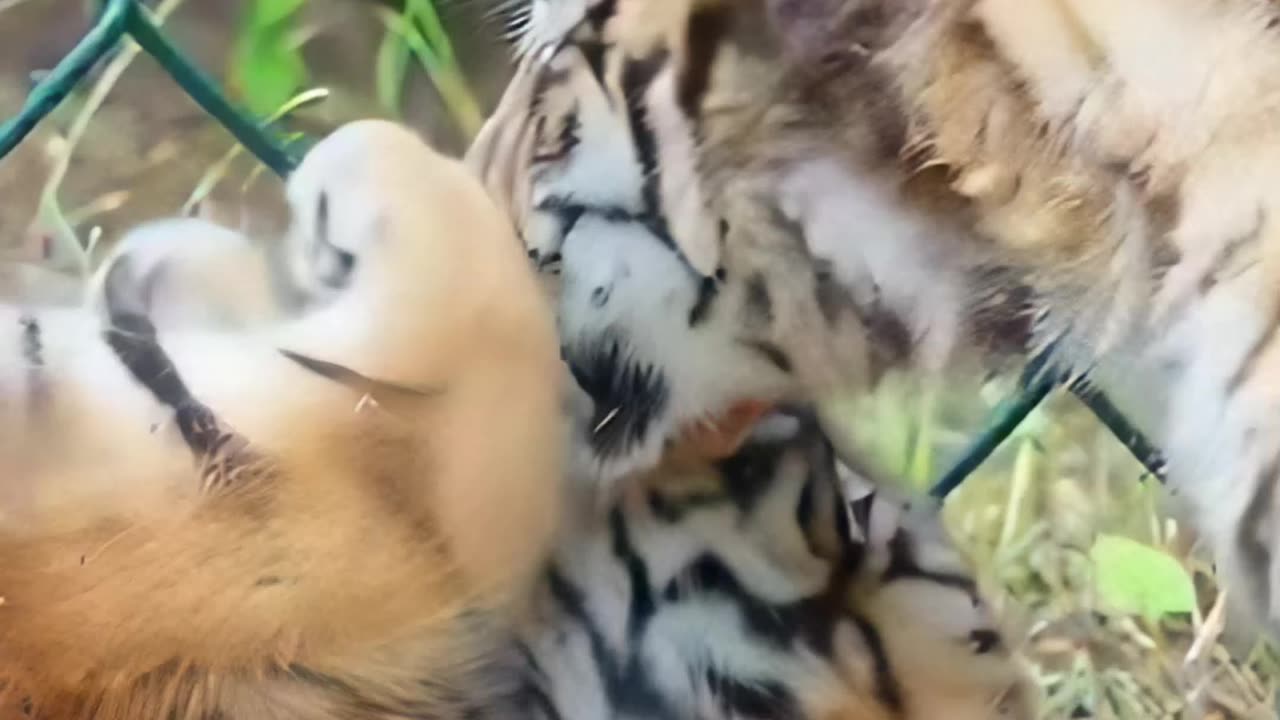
[
  {"x": 204, "y": 91},
  {"x": 121, "y": 17},
  {"x": 1109, "y": 415},
  {"x": 54, "y": 87},
  {"x": 1010, "y": 413},
  {"x": 1036, "y": 384},
  {"x": 118, "y": 18}
]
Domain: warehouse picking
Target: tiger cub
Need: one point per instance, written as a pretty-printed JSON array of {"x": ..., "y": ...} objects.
[
  {"x": 774, "y": 584},
  {"x": 296, "y": 521},
  {"x": 971, "y": 180},
  {"x": 681, "y": 302}
]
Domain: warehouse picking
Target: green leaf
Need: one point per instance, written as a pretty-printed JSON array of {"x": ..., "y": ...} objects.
[
  {"x": 268, "y": 75},
  {"x": 264, "y": 14},
  {"x": 1139, "y": 579},
  {"x": 390, "y": 70},
  {"x": 267, "y": 66},
  {"x": 424, "y": 11}
]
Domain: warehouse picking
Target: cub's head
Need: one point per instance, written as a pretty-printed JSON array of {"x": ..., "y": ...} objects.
[{"x": 651, "y": 156}]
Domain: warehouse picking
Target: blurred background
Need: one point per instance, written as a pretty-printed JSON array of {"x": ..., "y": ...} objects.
[
  {"x": 130, "y": 145},
  {"x": 1117, "y": 611}
]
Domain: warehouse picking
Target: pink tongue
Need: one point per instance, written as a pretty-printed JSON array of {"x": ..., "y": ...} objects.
[{"x": 721, "y": 437}]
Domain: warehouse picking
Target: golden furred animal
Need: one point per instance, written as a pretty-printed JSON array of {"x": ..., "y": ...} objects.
[{"x": 333, "y": 517}]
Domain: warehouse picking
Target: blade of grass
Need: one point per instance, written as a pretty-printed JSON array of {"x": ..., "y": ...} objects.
[
  {"x": 391, "y": 68},
  {"x": 49, "y": 215},
  {"x": 444, "y": 74}
]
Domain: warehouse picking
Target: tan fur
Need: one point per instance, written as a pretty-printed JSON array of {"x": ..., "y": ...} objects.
[
  {"x": 361, "y": 560},
  {"x": 1115, "y": 160}
]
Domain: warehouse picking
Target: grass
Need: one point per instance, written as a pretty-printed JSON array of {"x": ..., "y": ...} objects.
[{"x": 1117, "y": 611}]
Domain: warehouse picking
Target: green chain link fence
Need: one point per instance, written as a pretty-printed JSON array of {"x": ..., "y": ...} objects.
[{"x": 120, "y": 18}]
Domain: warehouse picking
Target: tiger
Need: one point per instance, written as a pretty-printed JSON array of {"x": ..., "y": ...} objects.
[
  {"x": 776, "y": 583},
  {"x": 281, "y": 577},
  {"x": 191, "y": 272},
  {"x": 294, "y": 520},
  {"x": 674, "y": 312},
  {"x": 772, "y": 583},
  {"x": 852, "y": 185}
]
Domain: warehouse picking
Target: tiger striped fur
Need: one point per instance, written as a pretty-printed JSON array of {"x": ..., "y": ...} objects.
[
  {"x": 247, "y": 571},
  {"x": 970, "y": 179},
  {"x": 775, "y": 584}
]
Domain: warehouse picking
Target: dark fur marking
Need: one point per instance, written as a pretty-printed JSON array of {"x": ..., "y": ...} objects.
[
  {"x": 37, "y": 390},
  {"x": 1003, "y": 319},
  {"x": 570, "y": 133},
  {"x": 985, "y": 641},
  {"x": 771, "y": 352},
  {"x": 642, "y": 607},
  {"x": 629, "y": 395},
  {"x": 548, "y": 78},
  {"x": 557, "y": 149},
  {"x": 805, "y": 507},
  {"x": 1227, "y": 255},
  {"x": 708, "y": 574},
  {"x": 600, "y": 14},
  {"x": 571, "y": 212},
  {"x": 708, "y": 290},
  {"x": 32, "y": 345},
  {"x": 530, "y": 694},
  {"x": 672, "y": 510},
  {"x": 636, "y": 77},
  {"x": 629, "y": 687},
  {"x": 322, "y": 219},
  {"x": 221, "y": 454},
  {"x": 890, "y": 337},
  {"x": 531, "y": 689},
  {"x": 600, "y": 296},
  {"x": 751, "y": 472},
  {"x": 759, "y": 303},
  {"x": 753, "y": 698},
  {"x": 888, "y": 689},
  {"x": 1254, "y": 355},
  {"x": 304, "y": 674},
  {"x": 133, "y": 339},
  {"x": 860, "y": 509},
  {"x": 810, "y": 619},
  {"x": 903, "y": 565},
  {"x": 706, "y": 30},
  {"x": 346, "y": 260},
  {"x": 831, "y": 297},
  {"x": 813, "y": 509},
  {"x": 354, "y": 380},
  {"x": 593, "y": 52},
  {"x": 1249, "y": 540}
]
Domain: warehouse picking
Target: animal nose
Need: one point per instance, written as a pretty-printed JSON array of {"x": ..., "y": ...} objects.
[{"x": 346, "y": 262}]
